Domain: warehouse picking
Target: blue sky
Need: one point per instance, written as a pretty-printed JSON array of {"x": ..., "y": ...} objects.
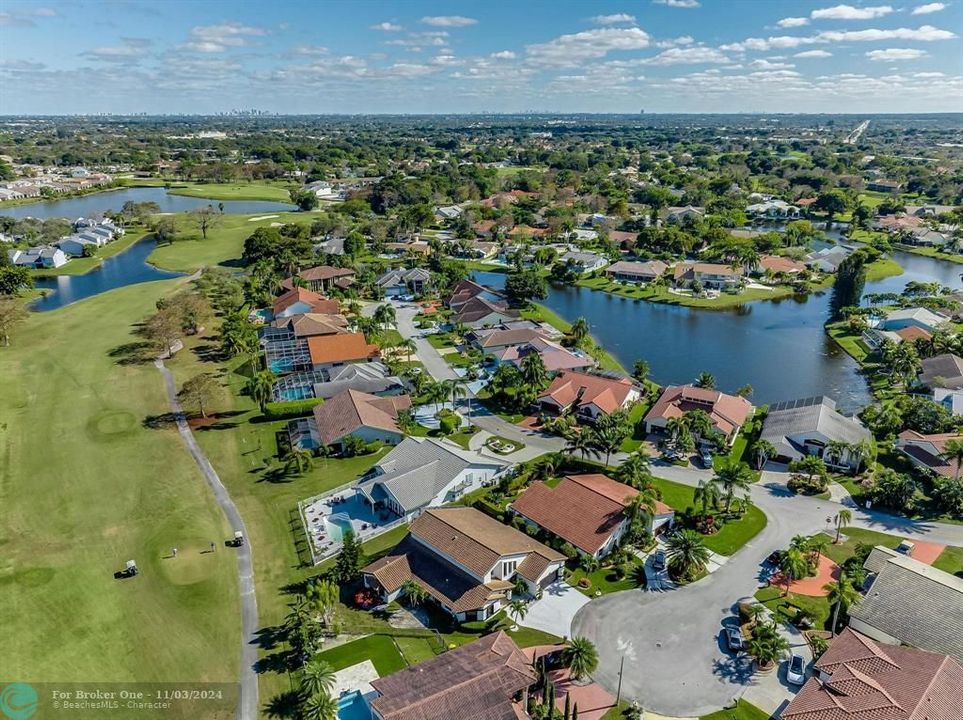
[{"x": 200, "y": 56}]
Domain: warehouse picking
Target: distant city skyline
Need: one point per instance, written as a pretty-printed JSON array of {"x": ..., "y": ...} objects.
[{"x": 663, "y": 56}]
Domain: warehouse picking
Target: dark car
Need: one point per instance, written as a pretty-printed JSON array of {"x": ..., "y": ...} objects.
[
  {"x": 734, "y": 638},
  {"x": 658, "y": 560}
]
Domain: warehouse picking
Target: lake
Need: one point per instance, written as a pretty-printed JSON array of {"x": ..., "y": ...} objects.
[
  {"x": 779, "y": 347},
  {"x": 128, "y": 268},
  {"x": 98, "y": 203}
]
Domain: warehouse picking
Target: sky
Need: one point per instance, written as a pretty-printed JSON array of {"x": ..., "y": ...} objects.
[{"x": 415, "y": 56}]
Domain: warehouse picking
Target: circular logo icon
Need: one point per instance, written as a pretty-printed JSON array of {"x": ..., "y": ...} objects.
[{"x": 18, "y": 701}]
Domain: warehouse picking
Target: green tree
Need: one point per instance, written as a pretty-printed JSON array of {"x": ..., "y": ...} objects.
[
  {"x": 533, "y": 371},
  {"x": 317, "y": 677},
  {"x": 687, "y": 554},
  {"x": 304, "y": 199},
  {"x": 579, "y": 331},
  {"x": 641, "y": 370},
  {"x": 841, "y": 594},
  {"x": 841, "y": 520},
  {"x": 706, "y": 380},
  {"x": 413, "y": 593},
  {"x": 320, "y": 707},
  {"x": 12, "y": 313},
  {"x": 581, "y": 657},
  {"x": 298, "y": 460},
  {"x": 762, "y": 451},
  {"x": 199, "y": 391},
  {"x": 953, "y": 452},
  {"x": 732, "y": 475},
  {"x": 767, "y": 645},
  {"x": 832, "y": 203},
  {"x": 204, "y": 219},
  {"x": 793, "y": 566},
  {"x": 348, "y": 564},
  {"x": 523, "y": 286},
  {"x": 707, "y": 493},
  {"x": 260, "y": 387},
  {"x": 13, "y": 278}
]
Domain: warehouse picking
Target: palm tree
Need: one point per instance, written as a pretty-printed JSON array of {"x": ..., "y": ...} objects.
[
  {"x": 706, "y": 380},
  {"x": 687, "y": 554},
  {"x": 579, "y": 331},
  {"x": 843, "y": 518},
  {"x": 817, "y": 544},
  {"x": 320, "y": 707},
  {"x": 793, "y": 566},
  {"x": 518, "y": 609},
  {"x": 842, "y": 594},
  {"x": 677, "y": 427},
  {"x": 581, "y": 657},
  {"x": 298, "y": 461},
  {"x": 456, "y": 388},
  {"x": 533, "y": 370},
  {"x": 860, "y": 452},
  {"x": 260, "y": 387},
  {"x": 385, "y": 315},
  {"x": 730, "y": 476},
  {"x": 582, "y": 442},
  {"x": 413, "y": 593},
  {"x": 640, "y": 370},
  {"x": 835, "y": 449},
  {"x": 409, "y": 346},
  {"x": 953, "y": 450},
  {"x": 635, "y": 470},
  {"x": 317, "y": 677},
  {"x": 762, "y": 450},
  {"x": 707, "y": 493},
  {"x": 767, "y": 644},
  {"x": 322, "y": 596},
  {"x": 699, "y": 423}
]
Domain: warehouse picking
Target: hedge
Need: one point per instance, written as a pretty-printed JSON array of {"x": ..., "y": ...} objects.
[{"x": 292, "y": 409}]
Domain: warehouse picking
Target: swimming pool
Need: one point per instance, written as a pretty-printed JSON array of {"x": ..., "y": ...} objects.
[
  {"x": 353, "y": 707},
  {"x": 337, "y": 525}
]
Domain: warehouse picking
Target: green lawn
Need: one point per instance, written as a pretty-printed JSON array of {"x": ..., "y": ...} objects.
[
  {"x": 540, "y": 313},
  {"x": 634, "y": 441},
  {"x": 742, "y": 711},
  {"x": 848, "y": 340},
  {"x": 658, "y": 294},
  {"x": 277, "y": 192},
  {"x": 931, "y": 252},
  {"x": 603, "y": 579},
  {"x": 951, "y": 561},
  {"x": 883, "y": 268},
  {"x": 733, "y": 535},
  {"x": 785, "y": 608},
  {"x": 82, "y": 265},
  {"x": 379, "y": 649},
  {"x": 85, "y": 485}
]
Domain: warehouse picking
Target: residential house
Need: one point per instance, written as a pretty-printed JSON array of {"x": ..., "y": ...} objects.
[
  {"x": 860, "y": 679},
  {"x": 637, "y": 272},
  {"x": 299, "y": 301},
  {"x": 774, "y": 209},
  {"x": 329, "y": 246},
  {"x": 490, "y": 340},
  {"x": 372, "y": 378},
  {"x": 728, "y": 413},
  {"x": 681, "y": 215},
  {"x": 328, "y": 351},
  {"x": 907, "y": 602},
  {"x": 927, "y": 451},
  {"x": 323, "y": 278},
  {"x": 799, "y": 428},
  {"x": 404, "y": 281},
  {"x": 485, "y": 228},
  {"x": 712, "y": 276},
  {"x": 555, "y": 357},
  {"x": 487, "y": 679},
  {"x": 587, "y": 511},
  {"x": 883, "y": 185},
  {"x": 899, "y": 224},
  {"x": 914, "y": 317},
  {"x": 477, "y": 306},
  {"x": 448, "y": 212},
  {"x": 779, "y": 265},
  {"x": 39, "y": 257},
  {"x": 925, "y": 237},
  {"x": 951, "y": 399},
  {"x": 827, "y": 259},
  {"x": 625, "y": 240},
  {"x": 589, "y": 396},
  {"x": 944, "y": 370},
  {"x": 466, "y": 561},
  {"x": 75, "y": 245},
  {"x": 304, "y": 325},
  {"x": 422, "y": 473},
  {"x": 369, "y": 418}
]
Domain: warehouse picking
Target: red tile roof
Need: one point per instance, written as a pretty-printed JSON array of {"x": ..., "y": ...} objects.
[
  {"x": 912, "y": 333},
  {"x": 727, "y": 412},
  {"x": 928, "y": 450},
  {"x": 871, "y": 681},
  {"x": 318, "y": 303},
  {"x": 351, "y": 410},
  {"x": 608, "y": 394},
  {"x": 778, "y": 264},
  {"x": 348, "y": 347},
  {"x": 584, "y": 510}
]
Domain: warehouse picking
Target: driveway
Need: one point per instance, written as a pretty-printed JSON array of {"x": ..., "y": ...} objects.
[
  {"x": 434, "y": 363},
  {"x": 556, "y": 609}
]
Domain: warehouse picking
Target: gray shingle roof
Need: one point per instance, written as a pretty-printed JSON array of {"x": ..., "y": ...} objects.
[
  {"x": 815, "y": 414},
  {"x": 917, "y": 604},
  {"x": 944, "y": 370}
]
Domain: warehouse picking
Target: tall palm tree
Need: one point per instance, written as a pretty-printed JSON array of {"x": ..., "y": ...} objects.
[
  {"x": 836, "y": 449},
  {"x": 582, "y": 442},
  {"x": 413, "y": 593},
  {"x": 581, "y": 657},
  {"x": 793, "y": 566},
  {"x": 260, "y": 387},
  {"x": 706, "y": 493},
  {"x": 700, "y": 423},
  {"x": 842, "y": 519},
  {"x": 385, "y": 315},
  {"x": 687, "y": 554},
  {"x": 298, "y": 461},
  {"x": 518, "y": 609},
  {"x": 579, "y": 331},
  {"x": 677, "y": 427},
  {"x": 953, "y": 450},
  {"x": 763, "y": 450},
  {"x": 456, "y": 388},
  {"x": 317, "y": 677},
  {"x": 533, "y": 370},
  {"x": 320, "y": 707},
  {"x": 860, "y": 452},
  {"x": 842, "y": 594},
  {"x": 635, "y": 470},
  {"x": 409, "y": 346},
  {"x": 730, "y": 476},
  {"x": 706, "y": 380}
]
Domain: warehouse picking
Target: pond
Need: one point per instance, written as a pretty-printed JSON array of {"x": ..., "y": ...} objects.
[
  {"x": 127, "y": 268},
  {"x": 779, "y": 347},
  {"x": 98, "y": 203}
]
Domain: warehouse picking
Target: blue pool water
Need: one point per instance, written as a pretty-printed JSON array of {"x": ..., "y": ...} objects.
[
  {"x": 337, "y": 526},
  {"x": 353, "y": 707},
  {"x": 297, "y": 393}
]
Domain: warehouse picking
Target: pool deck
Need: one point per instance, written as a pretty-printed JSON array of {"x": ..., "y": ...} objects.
[
  {"x": 357, "y": 677},
  {"x": 327, "y": 539}
]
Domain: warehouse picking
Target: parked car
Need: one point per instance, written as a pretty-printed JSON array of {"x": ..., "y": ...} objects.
[
  {"x": 658, "y": 560},
  {"x": 734, "y": 638},
  {"x": 706, "y": 457},
  {"x": 796, "y": 670}
]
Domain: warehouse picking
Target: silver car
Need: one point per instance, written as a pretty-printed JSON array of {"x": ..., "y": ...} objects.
[{"x": 796, "y": 670}]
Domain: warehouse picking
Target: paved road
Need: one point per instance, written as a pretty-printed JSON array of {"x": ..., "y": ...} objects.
[{"x": 247, "y": 706}]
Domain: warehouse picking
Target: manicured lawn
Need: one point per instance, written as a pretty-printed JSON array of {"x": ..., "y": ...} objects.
[
  {"x": 415, "y": 649},
  {"x": 634, "y": 441},
  {"x": 237, "y": 191},
  {"x": 603, "y": 579},
  {"x": 440, "y": 341},
  {"x": 379, "y": 649},
  {"x": 85, "y": 485},
  {"x": 81, "y": 265},
  {"x": 742, "y": 711},
  {"x": 951, "y": 561},
  {"x": 223, "y": 246},
  {"x": 784, "y": 608},
  {"x": 883, "y": 268},
  {"x": 528, "y": 637},
  {"x": 848, "y": 340},
  {"x": 662, "y": 294},
  {"x": 540, "y": 313},
  {"x": 733, "y": 535},
  {"x": 931, "y": 252}
]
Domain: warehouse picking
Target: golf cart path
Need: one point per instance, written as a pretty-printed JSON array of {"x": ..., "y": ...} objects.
[{"x": 247, "y": 705}]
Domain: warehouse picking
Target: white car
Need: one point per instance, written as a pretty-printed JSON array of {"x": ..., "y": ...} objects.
[{"x": 796, "y": 670}]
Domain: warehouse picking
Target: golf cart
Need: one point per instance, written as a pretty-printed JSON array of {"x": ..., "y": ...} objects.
[
  {"x": 238, "y": 539},
  {"x": 131, "y": 569}
]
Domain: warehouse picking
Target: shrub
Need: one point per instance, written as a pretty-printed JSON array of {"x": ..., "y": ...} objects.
[
  {"x": 808, "y": 485},
  {"x": 449, "y": 424},
  {"x": 584, "y": 583},
  {"x": 568, "y": 550},
  {"x": 292, "y": 409}
]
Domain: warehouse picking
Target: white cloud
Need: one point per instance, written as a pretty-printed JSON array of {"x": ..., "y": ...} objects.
[
  {"x": 848, "y": 12},
  {"x": 687, "y": 56},
  {"x": 895, "y": 54},
  {"x": 928, "y": 8},
  {"x": 387, "y": 27},
  {"x": 928, "y": 75},
  {"x": 504, "y": 55},
  {"x": 813, "y": 54},
  {"x": 678, "y": 3},
  {"x": 675, "y": 42},
  {"x": 129, "y": 50},
  {"x": 448, "y": 20},
  {"x": 792, "y": 22},
  {"x": 309, "y": 50},
  {"x": 569, "y": 50},
  {"x": 615, "y": 19},
  {"x": 50, "y": 12},
  {"x": 218, "y": 38},
  {"x": 768, "y": 65},
  {"x": 925, "y": 33}
]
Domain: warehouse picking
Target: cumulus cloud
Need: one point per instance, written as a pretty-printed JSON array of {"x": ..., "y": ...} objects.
[
  {"x": 769, "y": 65},
  {"x": 218, "y": 38},
  {"x": 813, "y": 54},
  {"x": 925, "y": 33},
  {"x": 448, "y": 20},
  {"x": 615, "y": 19},
  {"x": 687, "y": 56},
  {"x": 569, "y": 50},
  {"x": 387, "y": 27},
  {"x": 895, "y": 54},
  {"x": 129, "y": 50},
  {"x": 928, "y": 8},
  {"x": 848, "y": 12},
  {"x": 793, "y": 22},
  {"x": 309, "y": 50},
  {"x": 677, "y": 3},
  {"x": 504, "y": 55},
  {"x": 675, "y": 42}
]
